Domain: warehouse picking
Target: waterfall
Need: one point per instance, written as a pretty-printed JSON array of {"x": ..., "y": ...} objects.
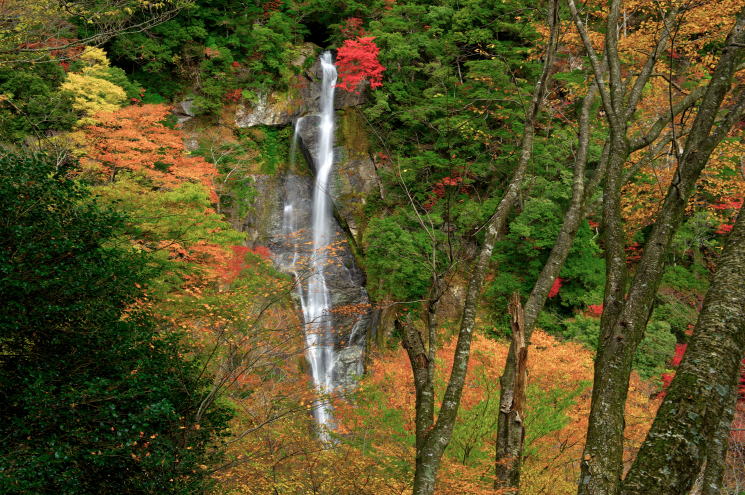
[
  {"x": 312, "y": 288},
  {"x": 310, "y": 246}
]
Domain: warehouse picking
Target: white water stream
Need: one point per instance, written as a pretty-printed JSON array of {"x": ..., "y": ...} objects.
[{"x": 314, "y": 295}]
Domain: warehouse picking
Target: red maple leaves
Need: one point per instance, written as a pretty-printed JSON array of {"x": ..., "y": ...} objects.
[
  {"x": 439, "y": 189},
  {"x": 356, "y": 61},
  {"x": 237, "y": 261},
  {"x": 595, "y": 310},
  {"x": 680, "y": 350},
  {"x": 555, "y": 287}
]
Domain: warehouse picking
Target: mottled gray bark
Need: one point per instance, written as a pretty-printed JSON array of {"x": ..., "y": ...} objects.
[
  {"x": 580, "y": 204},
  {"x": 626, "y": 312},
  {"x": 692, "y": 424},
  {"x": 504, "y": 445},
  {"x": 422, "y": 359},
  {"x": 716, "y": 454}
]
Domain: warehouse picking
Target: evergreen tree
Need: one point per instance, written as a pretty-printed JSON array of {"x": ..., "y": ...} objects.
[{"x": 93, "y": 398}]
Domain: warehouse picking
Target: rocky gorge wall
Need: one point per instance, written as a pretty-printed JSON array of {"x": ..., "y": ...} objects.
[{"x": 353, "y": 179}]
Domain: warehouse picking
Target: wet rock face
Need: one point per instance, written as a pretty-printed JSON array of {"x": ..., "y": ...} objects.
[
  {"x": 263, "y": 222},
  {"x": 282, "y": 211},
  {"x": 354, "y": 175},
  {"x": 282, "y": 108},
  {"x": 349, "y": 367},
  {"x": 344, "y": 279}
]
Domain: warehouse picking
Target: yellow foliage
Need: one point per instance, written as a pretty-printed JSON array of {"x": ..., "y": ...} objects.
[
  {"x": 94, "y": 57},
  {"x": 93, "y": 95}
]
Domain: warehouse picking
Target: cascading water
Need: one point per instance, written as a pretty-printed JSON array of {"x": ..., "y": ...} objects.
[{"x": 313, "y": 290}]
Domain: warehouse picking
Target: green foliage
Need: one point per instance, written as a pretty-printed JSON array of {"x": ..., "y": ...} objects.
[
  {"x": 396, "y": 262},
  {"x": 679, "y": 316},
  {"x": 655, "y": 350},
  {"x": 31, "y": 102},
  {"x": 117, "y": 76},
  {"x": 439, "y": 58},
  {"x": 273, "y": 145},
  {"x": 475, "y": 425},
  {"x": 182, "y": 216},
  {"x": 584, "y": 329},
  {"x": 525, "y": 249},
  {"x": 652, "y": 355},
  {"x": 681, "y": 278},
  {"x": 546, "y": 412},
  {"x": 216, "y": 47},
  {"x": 94, "y": 398},
  {"x": 695, "y": 236},
  {"x": 448, "y": 119},
  {"x": 237, "y": 189},
  {"x": 377, "y": 416}
]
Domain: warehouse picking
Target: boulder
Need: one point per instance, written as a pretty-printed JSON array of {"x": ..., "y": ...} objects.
[
  {"x": 270, "y": 109},
  {"x": 184, "y": 111},
  {"x": 349, "y": 367}
]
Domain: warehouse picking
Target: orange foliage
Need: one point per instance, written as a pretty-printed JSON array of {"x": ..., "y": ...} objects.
[
  {"x": 237, "y": 262},
  {"x": 719, "y": 190},
  {"x": 374, "y": 454},
  {"x": 686, "y": 63},
  {"x": 554, "y": 467},
  {"x": 135, "y": 138}
]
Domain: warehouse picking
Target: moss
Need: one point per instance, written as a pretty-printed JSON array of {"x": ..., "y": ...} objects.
[{"x": 353, "y": 135}]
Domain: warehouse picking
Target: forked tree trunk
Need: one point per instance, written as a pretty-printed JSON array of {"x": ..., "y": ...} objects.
[
  {"x": 581, "y": 201},
  {"x": 626, "y": 311},
  {"x": 437, "y": 437}
]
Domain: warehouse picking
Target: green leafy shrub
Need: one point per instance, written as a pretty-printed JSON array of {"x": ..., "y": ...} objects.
[
  {"x": 395, "y": 260},
  {"x": 652, "y": 355}
]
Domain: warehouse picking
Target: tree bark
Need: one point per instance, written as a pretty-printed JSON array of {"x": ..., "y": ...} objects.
[
  {"x": 572, "y": 220},
  {"x": 692, "y": 425},
  {"x": 625, "y": 314},
  {"x": 716, "y": 454},
  {"x": 422, "y": 360},
  {"x": 581, "y": 202},
  {"x": 423, "y": 380}
]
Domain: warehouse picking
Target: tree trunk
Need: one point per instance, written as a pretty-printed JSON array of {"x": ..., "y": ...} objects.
[
  {"x": 626, "y": 314},
  {"x": 572, "y": 220},
  {"x": 436, "y": 438},
  {"x": 511, "y": 430},
  {"x": 575, "y": 214},
  {"x": 423, "y": 380},
  {"x": 716, "y": 456},
  {"x": 693, "y": 422}
]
